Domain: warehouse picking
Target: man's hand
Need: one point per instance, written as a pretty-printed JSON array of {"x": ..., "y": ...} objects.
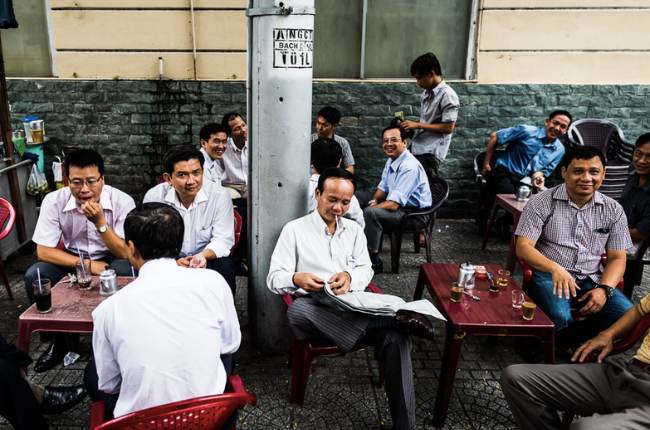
[
  {"x": 96, "y": 267},
  {"x": 602, "y": 343},
  {"x": 538, "y": 179},
  {"x": 340, "y": 283},
  {"x": 595, "y": 299},
  {"x": 308, "y": 282},
  {"x": 198, "y": 261},
  {"x": 184, "y": 261},
  {"x": 486, "y": 169},
  {"x": 95, "y": 213},
  {"x": 563, "y": 283},
  {"x": 409, "y": 125}
]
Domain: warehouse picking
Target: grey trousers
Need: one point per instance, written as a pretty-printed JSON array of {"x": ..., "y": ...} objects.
[
  {"x": 612, "y": 395},
  {"x": 308, "y": 319}
]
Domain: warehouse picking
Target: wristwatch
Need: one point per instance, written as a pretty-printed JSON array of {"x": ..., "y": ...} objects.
[
  {"x": 371, "y": 202},
  {"x": 103, "y": 229},
  {"x": 609, "y": 291}
]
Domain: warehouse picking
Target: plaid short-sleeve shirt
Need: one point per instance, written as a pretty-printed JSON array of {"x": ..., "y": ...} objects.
[{"x": 574, "y": 237}]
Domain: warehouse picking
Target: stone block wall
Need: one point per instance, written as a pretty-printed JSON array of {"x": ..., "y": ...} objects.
[{"x": 133, "y": 123}]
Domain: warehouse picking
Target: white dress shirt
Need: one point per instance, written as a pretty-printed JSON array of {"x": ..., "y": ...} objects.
[
  {"x": 354, "y": 210},
  {"x": 212, "y": 169},
  {"x": 305, "y": 245},
  {"x": 209, "y": 221},
  {"x": 160, "y": 338},
  {"x": 61, "y": 216},
  {"x": 235, "y": 163}
]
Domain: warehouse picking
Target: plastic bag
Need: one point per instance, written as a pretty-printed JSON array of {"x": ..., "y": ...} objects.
[{"x": 36, "y": 183}]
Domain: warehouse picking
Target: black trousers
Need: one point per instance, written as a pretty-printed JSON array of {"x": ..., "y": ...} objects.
[{"x": 498, "y": 182}]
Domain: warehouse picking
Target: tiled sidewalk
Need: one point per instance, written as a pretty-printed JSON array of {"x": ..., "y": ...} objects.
[{"x": 343, "y": 392}]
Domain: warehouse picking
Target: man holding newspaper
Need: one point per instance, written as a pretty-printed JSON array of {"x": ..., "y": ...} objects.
[{"x": 324, "y": 250}]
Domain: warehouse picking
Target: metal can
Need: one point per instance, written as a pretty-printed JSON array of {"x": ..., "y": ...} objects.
[
  {"x": 107, "y": 283},
  {"x": 466, "y": 275}
]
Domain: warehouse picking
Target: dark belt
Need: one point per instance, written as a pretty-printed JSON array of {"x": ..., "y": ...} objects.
[{"x": 642, "y": 365}]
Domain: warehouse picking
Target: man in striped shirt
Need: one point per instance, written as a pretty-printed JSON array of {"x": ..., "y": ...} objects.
[{"x": 562, "y": 234}]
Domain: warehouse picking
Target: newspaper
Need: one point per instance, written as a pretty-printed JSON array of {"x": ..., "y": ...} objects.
[{"x": 374, "y": 304}]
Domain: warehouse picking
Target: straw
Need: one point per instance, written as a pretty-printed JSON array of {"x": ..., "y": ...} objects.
[
  {"x": 40, "y": 288},
  {"x": 81, "y": 259},
  {"x": 133, "y": 272}
]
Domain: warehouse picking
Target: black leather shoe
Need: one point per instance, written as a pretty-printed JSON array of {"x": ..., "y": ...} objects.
[
  {"x": 51, "y": 357},
  {"x": 415, "y": 324},
  {"x": 241, "y": 269},
  {"x": 59, "y": 399},
  {"x": 378, "y": 268}
]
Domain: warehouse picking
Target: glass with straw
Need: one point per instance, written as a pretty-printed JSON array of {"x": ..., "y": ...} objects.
[
  {"x": 84, "y": 271},
  {"x": 42, "y": 294}
]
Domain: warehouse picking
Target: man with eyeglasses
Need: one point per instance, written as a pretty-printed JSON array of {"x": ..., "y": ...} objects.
[
  {"x": 206, "y": 209},
  {"x": 531, "y": 152},
  {"x": 404, "y": 187},
  {"x": 88, "y": 216}
]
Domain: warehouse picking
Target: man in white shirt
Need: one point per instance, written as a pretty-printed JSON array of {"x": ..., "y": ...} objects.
[
  {"x": 324, "y": 247},
  {"x": 214, "y": 141},
  {"x": 236, "y": 156},
  {"x": 327, "y": 153},
  {"x": 167, "y": 335},
  {"x": 206, "y": 209},
  {"x": 89, "y": 217}
]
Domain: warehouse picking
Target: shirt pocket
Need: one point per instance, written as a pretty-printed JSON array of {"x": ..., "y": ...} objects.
[
  {"x": 203, "y": 237},
  {"x": 597, "y": 241}
]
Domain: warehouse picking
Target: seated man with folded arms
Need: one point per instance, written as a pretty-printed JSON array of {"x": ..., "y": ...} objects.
[
  {"x": 235, "y": 158},
  {"x": 214, "y": 142},
  {"x": 87, "y": 214},
  {"x": 327, "y": 123},
  {"x": 635, "y": 200},
  {"x": 611, "y": 394},
  {"x": 206, "y": 209},
  {"x": 326, "y": 153},
  {"x": 169, "y": 335},
  {"x": 562, "y": 235},
  {"x": 325, "y": 247},
  {"x": 404, "y": 187}
]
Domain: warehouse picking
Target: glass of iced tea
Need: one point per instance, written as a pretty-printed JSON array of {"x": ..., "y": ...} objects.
[
  {"x": 84, "y": 274},
  {"x": 43, "y": 295},
  {"x": 457, "y": 292},
  {"x": 503, "y": 278},
  {"x": 528, "y": 309}
]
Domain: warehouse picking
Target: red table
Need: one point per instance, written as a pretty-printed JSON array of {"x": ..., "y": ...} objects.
[
  {"x": 71, "y": 311},
  {"x": 492, "y": 316},
  {"x": 509, "y": 203}
]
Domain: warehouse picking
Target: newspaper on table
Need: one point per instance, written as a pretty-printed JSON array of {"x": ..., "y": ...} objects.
[{"x": 374, "y": 304}]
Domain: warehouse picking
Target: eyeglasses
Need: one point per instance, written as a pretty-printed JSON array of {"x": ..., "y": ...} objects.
[
  {"x": 219, "y": 142},
  {"x": 393, "y": 140},
  {"x": 89, "y": 182}
]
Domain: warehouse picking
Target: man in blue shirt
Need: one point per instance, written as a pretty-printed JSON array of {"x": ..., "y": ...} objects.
[
  {"x": 404, "y": 187},
  {"x": 532, "y": 152}
]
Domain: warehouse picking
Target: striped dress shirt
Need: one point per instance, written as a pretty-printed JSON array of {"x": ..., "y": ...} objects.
[{"x": 574, "y": 237}]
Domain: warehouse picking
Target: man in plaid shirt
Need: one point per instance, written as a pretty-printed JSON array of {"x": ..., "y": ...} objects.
[{"x": 562, "y": 235}]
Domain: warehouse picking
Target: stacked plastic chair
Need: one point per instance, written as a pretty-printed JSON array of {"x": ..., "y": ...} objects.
[{"x": 609, "y": 138}]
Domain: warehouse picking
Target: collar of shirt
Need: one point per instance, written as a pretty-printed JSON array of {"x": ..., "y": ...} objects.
[
  {"x": 155, "y": 266},
  {"x": 318, "y": 221},
  {"x": 234, "y": 147},
  {"x": 173, "y": 199},
  {"x": 435, "y": 90},
  {"x": 645, "y": 187},
  {"x": 104, "y": 200},
  {"x": 208, "y": 160},
  {"x": 394, "y": 164},
  {"x": 542, "y": 136},
  {"x": 560, "y": 193}
]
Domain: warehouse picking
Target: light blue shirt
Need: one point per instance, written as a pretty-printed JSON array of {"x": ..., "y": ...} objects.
[
  {"x": 405, "y": 182},
  {"x": 527, "y": 153}
]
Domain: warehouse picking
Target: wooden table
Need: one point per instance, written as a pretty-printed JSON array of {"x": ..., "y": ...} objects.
[
  {"x": 492, "y": 316},
  {"x": 510, "y": 203},
  {"x": 71, "y": 311}
]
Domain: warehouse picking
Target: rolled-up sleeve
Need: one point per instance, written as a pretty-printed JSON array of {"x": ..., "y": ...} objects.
[
  {"x": 508, "y": 135},
  {"x": 283, "y": 264},
  {"x": 532, "y": 220},
  {"x": 223, "y": 227},
  {"x": 407, "y": 182},
  {"x": 124, "y": 206},
  {"x": 48, "y": 228},
  {"x": 449, "y": 106},
  {"x": 619, "y": 237}
]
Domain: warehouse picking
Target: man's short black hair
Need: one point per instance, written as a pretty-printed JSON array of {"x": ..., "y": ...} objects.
[
  {"x": 325, "y": 152},
  {"x": 395, "y": 122},
  {"x": 181, "y": 153},
  {"x": 561, "y": 112},
  {"x": 424, "y": 64},
  {"x": 403, "y": 133},
  {"x": 642, "y": 140},
  {"x": 225, "y": 121},
  {"x": 330, "y": 114},
  {"x": 156, "y": 230},
  {"x": 82, "y": 158},
  {"x": 336, "y": 173},
  {"x": 208, "y": 130},
  {"x": 582, "y": 153}
]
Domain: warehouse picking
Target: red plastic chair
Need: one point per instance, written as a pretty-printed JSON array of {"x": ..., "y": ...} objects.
[
  {"x": 208, "y": 412},
  {"x": 7, "y": 218},
  {"x": 304, "y": 352},
  {"x": 238, "y": 224}
]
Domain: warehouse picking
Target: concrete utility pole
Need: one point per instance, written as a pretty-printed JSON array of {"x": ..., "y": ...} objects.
[{"x": 279, "y": 89}]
